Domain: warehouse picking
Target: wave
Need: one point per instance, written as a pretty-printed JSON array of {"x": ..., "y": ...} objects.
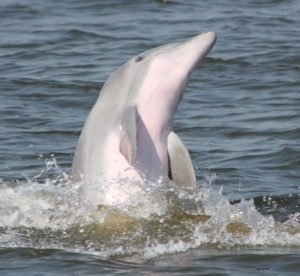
[{"x": 45, "y": 211}]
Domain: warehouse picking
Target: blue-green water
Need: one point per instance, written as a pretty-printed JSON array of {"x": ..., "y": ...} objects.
[{"x": 239, "y": 118}]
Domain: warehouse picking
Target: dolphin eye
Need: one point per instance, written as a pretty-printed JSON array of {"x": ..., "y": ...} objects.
[{"x": 139, "y": 58}]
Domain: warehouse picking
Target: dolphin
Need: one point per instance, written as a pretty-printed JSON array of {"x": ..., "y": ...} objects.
[{"x": 128, "y": 134}]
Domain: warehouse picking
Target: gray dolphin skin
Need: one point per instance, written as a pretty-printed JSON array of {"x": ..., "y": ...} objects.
[{"x": 128, "y": 133}]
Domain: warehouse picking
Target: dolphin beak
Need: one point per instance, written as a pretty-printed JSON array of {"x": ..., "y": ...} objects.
[
  {"x": 201, "y": 44},
  {"x": 188, "y": 54}
]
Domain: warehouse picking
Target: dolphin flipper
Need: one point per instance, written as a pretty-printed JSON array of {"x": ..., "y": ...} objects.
[
  {"x": 181, "y": 167},
  {"x": 128, "y": 141}
]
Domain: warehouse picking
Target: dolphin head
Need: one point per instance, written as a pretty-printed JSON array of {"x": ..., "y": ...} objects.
[
  {"x": 163, "y": 73},
  {"x": 156, "y": 79}
]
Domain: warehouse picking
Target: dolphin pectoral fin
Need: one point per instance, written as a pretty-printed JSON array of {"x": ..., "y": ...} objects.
[
  {"x": 128, "y": 141},
  {"x": 180, "y": 163}
]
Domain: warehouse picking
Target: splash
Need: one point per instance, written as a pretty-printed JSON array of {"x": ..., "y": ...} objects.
[{"x": 46, "y": 212}]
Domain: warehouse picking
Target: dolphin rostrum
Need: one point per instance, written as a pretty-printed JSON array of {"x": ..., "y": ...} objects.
[{"x": 128, "y": 133}]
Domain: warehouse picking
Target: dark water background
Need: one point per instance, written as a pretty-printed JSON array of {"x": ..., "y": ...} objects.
[{"x": 239, "y": 118}]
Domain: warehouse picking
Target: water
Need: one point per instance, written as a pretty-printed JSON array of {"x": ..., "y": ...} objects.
[{"x": 239, "y": 118}]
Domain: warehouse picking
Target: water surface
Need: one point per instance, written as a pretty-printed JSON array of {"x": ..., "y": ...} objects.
[{"x": 239, "y": 118}]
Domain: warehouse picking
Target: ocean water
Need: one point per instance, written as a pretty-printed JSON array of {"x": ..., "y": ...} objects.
[{"x": 239, "y": 118}]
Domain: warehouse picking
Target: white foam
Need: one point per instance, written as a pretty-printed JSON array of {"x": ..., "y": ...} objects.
[{"x": 163, "y": 219}]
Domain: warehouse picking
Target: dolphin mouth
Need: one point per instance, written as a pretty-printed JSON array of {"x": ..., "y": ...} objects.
[{"x": 190, "y": 53}]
